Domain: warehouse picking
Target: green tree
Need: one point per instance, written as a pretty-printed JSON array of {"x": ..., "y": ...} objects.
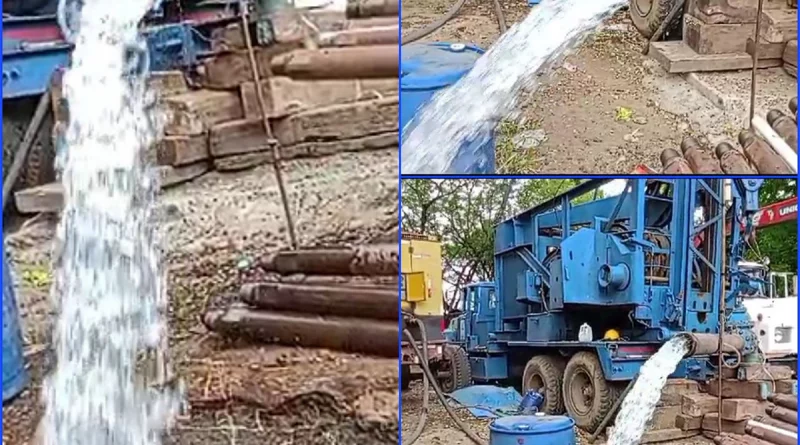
[{"x": 778, "y": 242}]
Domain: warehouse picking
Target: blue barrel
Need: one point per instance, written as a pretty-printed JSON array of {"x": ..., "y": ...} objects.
[
  {"x": 427, "y": 68},
  {"x": 532, "y": 430},
  {"x": 15, "y": 377}
]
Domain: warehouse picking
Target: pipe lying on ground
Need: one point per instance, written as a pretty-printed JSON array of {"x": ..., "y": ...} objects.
[
  {"x": 372, "y": 8},
  {"x": 776, "y": 423},
  {"x": 378, "y": 259},
  {"x": 784, "y": 400},
  {"x": 708, "y": 344},
  {"x": 337, "y": 333},
  {"x": 338, "y": 63},
  {"x": 347, "y": 301},
  {"x": 783, "y": 414},
  {"x": 674, "y": 163},
  {"x": 384, "y": 35},
  {"x": 760, "y": 154},
  {"x": 770, "y": 434},
  {"x": 732, "y": 161},
  {"x": 700, "y": 161},
  {"x": 779, "y": 145},
  {"x": 793, "y": 105},
  {"x": 785, "y": 126}
]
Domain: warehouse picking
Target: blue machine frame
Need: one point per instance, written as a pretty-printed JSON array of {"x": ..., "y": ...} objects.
[{"x": 651, "y": 259}]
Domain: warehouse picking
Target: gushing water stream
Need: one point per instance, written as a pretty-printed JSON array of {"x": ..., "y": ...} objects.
[
  {"x": 469, "y": 110},
  {"x": 640, "y": 403},
  {"x": 109, "y": 284}
]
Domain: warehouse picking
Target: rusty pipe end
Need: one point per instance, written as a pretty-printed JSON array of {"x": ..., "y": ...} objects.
[
  {"x": 774, "y": 115},
  {"x": 746, "y": 137},
  {"x": 667, "y": 155},
  {"x": 722, "y": 148},
  {"x": 210, "y": 319},
  {"x": 688, "y": 144},
  {"x": 708, "y": 344}
]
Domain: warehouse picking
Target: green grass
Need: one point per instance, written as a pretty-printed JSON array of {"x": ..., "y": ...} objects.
[{"x": 510, "y": 158}]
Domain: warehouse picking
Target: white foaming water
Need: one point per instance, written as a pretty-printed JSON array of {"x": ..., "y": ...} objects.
[
  {"x": 109, "y": 286},
  {"x": 470, "y": 109},
  {"x": 639, "y": 405}
]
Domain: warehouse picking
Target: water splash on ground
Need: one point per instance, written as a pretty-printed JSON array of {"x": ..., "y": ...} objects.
[{"x": 460, "y": 119}]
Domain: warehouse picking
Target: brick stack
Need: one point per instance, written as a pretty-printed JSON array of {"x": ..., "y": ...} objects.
[
  {"x": 329, "y": 85},
  {"x": 717, "y": 36}
]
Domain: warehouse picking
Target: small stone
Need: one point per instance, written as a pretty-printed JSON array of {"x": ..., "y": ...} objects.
[{"x": 529, "y": 139}]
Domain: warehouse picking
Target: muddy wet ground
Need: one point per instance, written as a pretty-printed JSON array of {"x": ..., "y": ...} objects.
[
  {"x": 605, "y": 108},
  {"x": 216, "y": 228},
  {"x": 440, "y": 429}
]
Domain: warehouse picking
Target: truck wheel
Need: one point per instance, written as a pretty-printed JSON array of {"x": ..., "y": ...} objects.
[
  {"x": 588, "y": 396},
  {"x": 456, "y": 362},
  {"x": 544, "y": 372},
  {"x": 647, "y": 15},
  {"x": 405, "y": 377}
]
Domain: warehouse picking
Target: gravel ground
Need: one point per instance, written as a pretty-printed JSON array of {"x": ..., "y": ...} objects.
[
  {"x": 605, "y": 108},
  {"x": 216, "y": 227},
  {"x": 440, "y": 429}
]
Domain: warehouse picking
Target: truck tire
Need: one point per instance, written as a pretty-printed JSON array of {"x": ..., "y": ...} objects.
[
  {"x": 457, "y": 362},
  {"x": 647, "y": 15},
  {"x": 545, "y": 371},
  {"x": 588, "y": 396},
  {"x": 405, "y": 377},
  {"x": 39, "y": 165}
]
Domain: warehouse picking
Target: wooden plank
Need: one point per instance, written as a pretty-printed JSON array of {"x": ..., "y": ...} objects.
[
  {"x": 171, "y": 176},
  {"x": 195, "y": 112},
  {"x": 716, "y": 39},
  {"x": 228, "y": 38},
  {"x": 339, "y": 122},
  {"x": 790, "y": 52},
  {"x": 47, "y": 198},
  {"x": 729, "y": 11},
  {"x": 242, "y": 161},
  {"x": 229, "y": 70},
  {"x": 766, "y": 50},
  {"x": 764, "y": 372},
  {"x": 57, "y": 100},
  {"x": 778, "y": 25},
  {"x": 168, "y": 83},
  {"x": 182, "y": 150},
  {"x": 320, "y": 149},
  {"x": 288, "y": 26},
  {"x": 677, "y": 57},
  {"x": 285, "y": 95},
  {"x": 742, "y": 409},
  {"x": 237, "y": 137}
]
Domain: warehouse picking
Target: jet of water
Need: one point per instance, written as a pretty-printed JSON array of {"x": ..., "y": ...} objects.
[
  {"x": 458, "y": 119},
  {"x": 109, "y": 285},
  {"x": 640, "y": 403}
]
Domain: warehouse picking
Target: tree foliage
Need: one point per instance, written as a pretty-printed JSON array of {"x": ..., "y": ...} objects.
[
  {"x": 463, "y": 214},
  {"x": 778, "y": 242}
]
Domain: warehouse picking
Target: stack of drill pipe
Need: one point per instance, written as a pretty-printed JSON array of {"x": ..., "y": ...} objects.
[
  {"x": 779, "y": 426},
  {"x": 360, "y": 319},
  {"x": 372, "y": 8},
  {"x": 754, "y": 155}
]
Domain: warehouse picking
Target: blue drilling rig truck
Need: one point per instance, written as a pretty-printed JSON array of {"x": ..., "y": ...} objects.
[{"x": 636, "y": 269}]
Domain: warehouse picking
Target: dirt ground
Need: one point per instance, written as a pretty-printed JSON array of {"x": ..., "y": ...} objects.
[
  {"x": 606, "y": 108},
  {"x": 440, "y": 429},
  {"x": 217, "y": 228}
]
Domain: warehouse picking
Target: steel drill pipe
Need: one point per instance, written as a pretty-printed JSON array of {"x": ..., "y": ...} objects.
[
  {"x": 384, "y": 35},
  {"x": 776, "y": 423},
  {"x": 338, "y": 63},
  {"x": 708, "y": 344},
  {"x": 378, "y": 259},
  {"x": 732, "y": 161},
  {"x": 784, "y": 400},
  {"x": 699, "y": 160},
  {"x": 785, "y": 126},
  {"x": 674, "y": 164},
  {"x": 770, "y": 434},
  {"x": 760, "y": 154},
  {"x": 355, "y": 335},
  {"x": 346, "y": 301},
  {"x": 773, "y": 139},
  {"x": 783, "y": 414},
  {"x": 372, "y": 8},
  {"x": 371, "y": 22}
]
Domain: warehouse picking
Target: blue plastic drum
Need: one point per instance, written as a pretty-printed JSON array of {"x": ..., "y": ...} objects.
[
  {"x": 532, "y": 430},
  {"x": 15, "y": 377},
  {"x": 427, "y": 68}
]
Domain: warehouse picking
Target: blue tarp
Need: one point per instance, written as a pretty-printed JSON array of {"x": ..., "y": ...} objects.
[{"x": 486, "y": 401}]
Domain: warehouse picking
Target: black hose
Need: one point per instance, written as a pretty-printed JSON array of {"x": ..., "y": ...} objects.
[
  {"x": 427, "y": 371},
  {"x": 501, "y": 18},
  {"x": 438, "y": 23},
  {"x": 423, "y": 417}
]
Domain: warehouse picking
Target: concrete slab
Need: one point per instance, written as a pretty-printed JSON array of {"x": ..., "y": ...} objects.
[{"x": 730, "y": 91}]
